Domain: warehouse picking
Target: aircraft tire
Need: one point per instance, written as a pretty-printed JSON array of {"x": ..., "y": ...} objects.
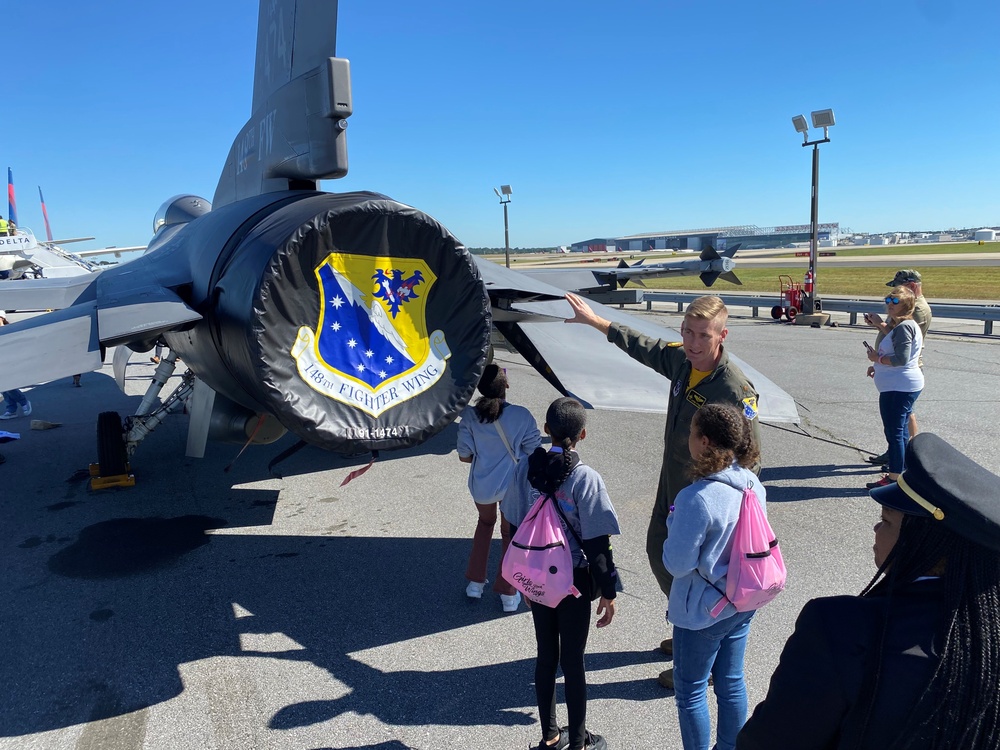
[
  {"x": 777, "y": 311},
  {"x": 111, "y": 454}
]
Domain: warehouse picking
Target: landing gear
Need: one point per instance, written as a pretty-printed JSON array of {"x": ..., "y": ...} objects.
[{"x": 111, "y": 469}]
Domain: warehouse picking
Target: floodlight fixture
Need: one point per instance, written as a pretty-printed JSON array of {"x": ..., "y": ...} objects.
[
  {"x": 505, "y": 189},
  {"x": 823, "y": 118},
  {"x": 800, "y": 124},
  {"x": 498, "y": 193}
]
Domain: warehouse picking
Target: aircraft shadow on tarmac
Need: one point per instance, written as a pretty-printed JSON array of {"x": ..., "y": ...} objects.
[{"x": 132, "y": 599}]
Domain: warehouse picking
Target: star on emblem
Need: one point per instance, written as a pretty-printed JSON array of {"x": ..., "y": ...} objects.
[
  {"x": 352, "y": 343},
  {"x": 337, "y": 301}
]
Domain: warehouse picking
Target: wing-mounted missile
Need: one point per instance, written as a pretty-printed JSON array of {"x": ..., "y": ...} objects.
[
  {"x": 710, "y": 266},
  {"x": 719, "y": 266}
]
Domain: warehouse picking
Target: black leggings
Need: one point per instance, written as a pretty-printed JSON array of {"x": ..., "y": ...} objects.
[{"x": 561, "y": 633}]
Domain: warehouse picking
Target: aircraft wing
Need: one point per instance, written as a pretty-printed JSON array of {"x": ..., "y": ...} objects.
[
  {"x": 69, "y": 345},
  {"x": 579, "y": 361}
]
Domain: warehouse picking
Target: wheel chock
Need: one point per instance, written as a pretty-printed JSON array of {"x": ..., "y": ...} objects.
[{"x": 97, "y": 482}]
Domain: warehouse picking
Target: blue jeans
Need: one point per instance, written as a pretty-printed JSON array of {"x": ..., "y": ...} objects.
[
  {"x": 895, "y": 408},
  {"x": 717, "y": 650},
  {"x": 13, "y": 399}
]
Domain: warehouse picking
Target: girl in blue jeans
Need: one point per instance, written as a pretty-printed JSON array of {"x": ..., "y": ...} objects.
[{"x": 699, "y": 541}]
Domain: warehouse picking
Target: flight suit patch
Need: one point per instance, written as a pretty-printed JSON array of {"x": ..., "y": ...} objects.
[
  {"x": 696, "y": 398},
  {"x": 750, "y": 407}
]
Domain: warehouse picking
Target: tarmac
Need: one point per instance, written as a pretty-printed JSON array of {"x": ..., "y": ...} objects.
[{"x": 244, "y": 609}]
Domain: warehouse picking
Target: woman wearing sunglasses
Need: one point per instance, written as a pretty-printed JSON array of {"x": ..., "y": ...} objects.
[{"x": 898, "y": 377}]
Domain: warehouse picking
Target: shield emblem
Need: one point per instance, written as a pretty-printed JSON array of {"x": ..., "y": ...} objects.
[{"x": 371, "y": 348}]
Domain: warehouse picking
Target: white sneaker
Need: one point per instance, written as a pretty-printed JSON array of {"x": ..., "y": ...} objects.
[
  {"x": 510, "y": 603},
  {"x": 8, "y": 414},
  {"x": 475, "y": 590},
  {"x": 26, "y": 409}
]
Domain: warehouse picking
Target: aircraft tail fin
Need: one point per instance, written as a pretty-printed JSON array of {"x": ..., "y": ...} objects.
[
  {"x": 708, "y": 277},
  {"x": 45, "y": 215},
  {"x": 11, "y": 201},
  {"x": 731, "y": 277},
  {"x": 622, "y": 264},
  {"x": 296, "y": 134}
]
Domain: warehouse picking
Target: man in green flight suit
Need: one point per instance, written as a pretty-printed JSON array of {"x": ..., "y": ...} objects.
[{"x": 701, "y": 373}]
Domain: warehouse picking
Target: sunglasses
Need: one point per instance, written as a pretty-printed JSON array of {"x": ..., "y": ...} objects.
[{"x": 893, "y": 300}]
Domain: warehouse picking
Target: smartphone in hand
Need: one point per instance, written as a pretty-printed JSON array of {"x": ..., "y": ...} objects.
[{"x": 868, "y": 346}]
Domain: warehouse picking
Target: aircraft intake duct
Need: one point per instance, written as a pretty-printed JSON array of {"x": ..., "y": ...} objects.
[{"x": 356, "y": 321}]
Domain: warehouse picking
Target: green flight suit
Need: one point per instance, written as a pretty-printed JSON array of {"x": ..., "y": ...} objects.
[{"x": 725, "y": 385}]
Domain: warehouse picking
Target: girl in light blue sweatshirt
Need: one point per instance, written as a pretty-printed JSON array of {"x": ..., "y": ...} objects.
[{"x": 696, "y": 553}]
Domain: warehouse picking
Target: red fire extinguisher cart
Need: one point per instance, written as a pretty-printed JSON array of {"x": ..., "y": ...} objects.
[{"x": 791, "y": 298}]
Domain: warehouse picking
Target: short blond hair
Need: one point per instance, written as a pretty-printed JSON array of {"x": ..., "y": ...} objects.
[{"x": 710, "y": 308}]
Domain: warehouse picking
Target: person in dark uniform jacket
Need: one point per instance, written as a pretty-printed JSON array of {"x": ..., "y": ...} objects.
[{"x": 914, "y": 661}]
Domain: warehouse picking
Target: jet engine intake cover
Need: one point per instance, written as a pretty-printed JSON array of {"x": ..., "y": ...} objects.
[{"x": 370, "y": 323}]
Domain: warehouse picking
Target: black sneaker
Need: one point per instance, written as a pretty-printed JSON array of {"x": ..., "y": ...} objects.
[
  {"x": 880, "y": 459},
  {"x": 595, "y": 742},
  {"x": 561, "y": 744}
]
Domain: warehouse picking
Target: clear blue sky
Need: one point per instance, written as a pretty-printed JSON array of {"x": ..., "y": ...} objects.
[{"x": 606, "y": 118}]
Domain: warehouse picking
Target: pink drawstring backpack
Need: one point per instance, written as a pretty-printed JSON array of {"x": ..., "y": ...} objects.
[
  {"x": 538, "y": 562},
  {"x": 756, "y": 569}
]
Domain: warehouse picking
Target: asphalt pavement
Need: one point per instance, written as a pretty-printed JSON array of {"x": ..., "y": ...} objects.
[{"x": 246, "y": 609}]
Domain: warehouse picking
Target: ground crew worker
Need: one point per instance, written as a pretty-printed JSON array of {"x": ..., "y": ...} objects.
[
  {"x": 3, "y": 227},
  {"x": 701, "y": 373},
  {"x": 921, "y": 316}
]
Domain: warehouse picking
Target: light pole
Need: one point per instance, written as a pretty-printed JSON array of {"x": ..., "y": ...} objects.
[
  {"x": 504, "y": 194},
  {"x": 822, "y": 118}
]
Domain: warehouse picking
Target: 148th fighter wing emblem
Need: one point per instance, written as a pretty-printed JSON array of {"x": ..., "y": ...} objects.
[{"x": 371, "y": 350}]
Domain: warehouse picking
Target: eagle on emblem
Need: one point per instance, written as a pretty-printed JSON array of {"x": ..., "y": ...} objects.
[{"x": 395, "y": 290}]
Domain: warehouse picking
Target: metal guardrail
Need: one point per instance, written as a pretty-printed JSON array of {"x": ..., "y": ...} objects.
[{"x": 986, "y": 313}]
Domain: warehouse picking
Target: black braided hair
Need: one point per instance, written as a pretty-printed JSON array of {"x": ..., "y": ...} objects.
[
  {"x": 730, "y": 438},
  {"x": 493, "y": 387},
  {"x": 566, "y": 419},
  {"x": 960, "y": 707}
]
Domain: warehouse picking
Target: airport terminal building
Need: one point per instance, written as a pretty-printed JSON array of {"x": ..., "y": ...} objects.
[{"x": 748, "y": 236}]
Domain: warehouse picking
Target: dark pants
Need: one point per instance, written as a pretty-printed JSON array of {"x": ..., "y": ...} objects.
[
  {"x": 561, "y": 633},
  {"x": 894, "y": 408},
  {"x": 481, "y": 540}
]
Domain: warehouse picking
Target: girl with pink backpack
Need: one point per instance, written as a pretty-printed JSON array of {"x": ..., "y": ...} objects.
[
  {"x": 710, "y": 641},
  {"x": 588, "y": 519}
]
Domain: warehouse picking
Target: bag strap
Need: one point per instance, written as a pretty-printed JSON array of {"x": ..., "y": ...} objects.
[
  {"x": 506, "y": 443},
  {"x": 721, "y": 605}
]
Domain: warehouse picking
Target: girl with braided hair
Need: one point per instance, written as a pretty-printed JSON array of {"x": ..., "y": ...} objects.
[
  {"x": 914, "y": 660},
  {"x": 697, "y": 551},
  {"x": 586, "y": 514},
  {"x": 493, "y": 436}
]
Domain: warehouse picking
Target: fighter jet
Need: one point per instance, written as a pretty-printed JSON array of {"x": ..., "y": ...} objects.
[{"x": 351, "y": 320}]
